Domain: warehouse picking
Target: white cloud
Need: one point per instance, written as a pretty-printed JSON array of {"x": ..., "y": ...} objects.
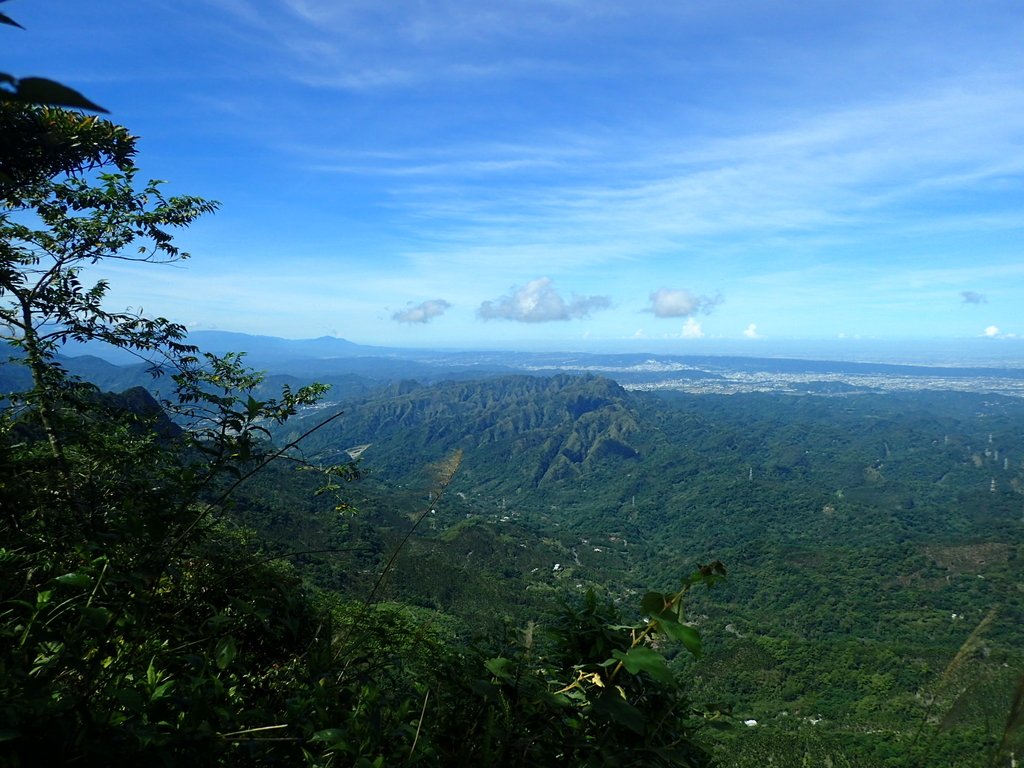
[
  {"x": 751, "y": 331},
  {"x": 423, "y": 312},
  {"x": 538, "y": 302},
  {"x": 667, "y": 302},
  {"x": 991, "y": 332},
  {"x": 692, "y": 330}
]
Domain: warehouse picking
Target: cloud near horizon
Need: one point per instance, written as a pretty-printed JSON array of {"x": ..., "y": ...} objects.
[
  {"x": 973, "y": 297},
  {"x": 691, "y": 330},
  {"x": 423, "y": 312},
  {"x": 539, "y": 302},
  {"x": 667, "y": 302},
  {"x": 751, "y": 331}
]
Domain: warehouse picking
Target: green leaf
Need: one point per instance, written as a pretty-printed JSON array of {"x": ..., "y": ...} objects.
[
  {"x": 613, "y": 707},
  {"x": 96, "y": 617},
  {"x": 333, "y": 738},
  {"x": 653, "y": 603},
  {"x": 706, "y": 574},
  {"x": 161, "y": 690},
  {"x": 225, "y": 652},
  {"x": 74, "y": 580},
  {"x": 688, "y": 636},
  {"x": 329, "y": 734},
  {"x": 718, "y": 724},
  {"x": 637, "y": 660},
  {"x": 130, "y": 699},
  {"x": 40, "y": 90},
  {"x": 484, "y": 688},
  {"x": 253, "y": 406},
  {"x": 500, "y": 667}
]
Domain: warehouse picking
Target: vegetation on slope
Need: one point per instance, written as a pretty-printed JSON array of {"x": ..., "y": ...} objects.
[
  {"x": 141, "y": 624},
  {"x": 868, "y": 536}
]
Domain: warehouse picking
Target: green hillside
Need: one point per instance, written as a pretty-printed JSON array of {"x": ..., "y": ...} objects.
[{"x": 867, "y": 536}]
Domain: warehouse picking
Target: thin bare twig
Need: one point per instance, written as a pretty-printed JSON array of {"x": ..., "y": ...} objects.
[{"x": 419, "y": 725}]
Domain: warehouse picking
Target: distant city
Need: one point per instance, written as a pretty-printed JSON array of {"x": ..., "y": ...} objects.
[
  {"x": 814, "y": 384},
  {"x": 736, "y": 375}
]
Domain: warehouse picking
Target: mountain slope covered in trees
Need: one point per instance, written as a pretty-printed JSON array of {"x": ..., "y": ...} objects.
[{"x": 866, "y": 535}]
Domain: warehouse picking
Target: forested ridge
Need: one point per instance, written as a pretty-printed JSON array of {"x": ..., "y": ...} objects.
[
  {"x": 868, "y": 537},
  {"x": 512, "y": 571}
]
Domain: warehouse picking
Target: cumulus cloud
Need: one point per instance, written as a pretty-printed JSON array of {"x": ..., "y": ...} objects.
[
  {"x": 539, "y": 302},
  {"x": 666, "y": 302},
  {"x": 991, "y": 332},
  {"x": 751, "y": 331},
  {"x": 692, "y": 330},
  {"x": 973, "y": 297},
  {"x": 421, "y": 313}
]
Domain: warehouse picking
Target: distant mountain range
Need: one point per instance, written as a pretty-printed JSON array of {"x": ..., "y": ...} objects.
[
  {"x": 355, "y": 367},
  {"x": 258, "y": 347}
]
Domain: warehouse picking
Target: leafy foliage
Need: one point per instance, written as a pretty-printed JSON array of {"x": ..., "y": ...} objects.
[
  {"x": 39, "y": 90},
  {"x": 122, "y": 629},
  {"x": 140, "y": 624},
  {"x": 595, "y": 691}
]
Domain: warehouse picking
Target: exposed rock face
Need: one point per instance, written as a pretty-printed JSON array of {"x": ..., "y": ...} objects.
[{"x": 546, "y": 429}]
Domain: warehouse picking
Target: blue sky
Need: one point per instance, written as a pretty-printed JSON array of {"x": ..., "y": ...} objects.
[{"x": 568, "y": 173}]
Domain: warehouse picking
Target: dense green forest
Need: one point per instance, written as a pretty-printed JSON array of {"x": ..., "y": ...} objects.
[
  {"x": 871, "y": 539},
  {"x": 511, "y": 571}
]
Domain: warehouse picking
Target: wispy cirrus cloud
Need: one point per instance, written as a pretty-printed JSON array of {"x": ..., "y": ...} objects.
[
  {"x": 415, "y": 144},
  {"x": 365, "y": 46},
  {"x": 845, "y": 175},
  {"x": 840, "y": 168}
]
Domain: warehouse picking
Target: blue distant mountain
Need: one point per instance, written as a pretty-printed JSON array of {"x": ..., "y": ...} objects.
[
  {"x": 256, "y": 347},
  {"x": 273, "y": 347},
  {"x": 332, "y": 358}
]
